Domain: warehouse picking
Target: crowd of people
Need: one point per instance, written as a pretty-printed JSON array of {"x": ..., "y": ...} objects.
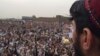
[{"x": 33, "y": 39}]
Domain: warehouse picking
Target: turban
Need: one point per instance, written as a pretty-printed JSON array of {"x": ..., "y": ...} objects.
[{"x": 93, "y": 7}]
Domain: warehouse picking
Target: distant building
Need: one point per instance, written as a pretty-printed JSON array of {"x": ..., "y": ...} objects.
[
  {"x": 58, "y": 18},
  {"x": 26, "y": 18}
]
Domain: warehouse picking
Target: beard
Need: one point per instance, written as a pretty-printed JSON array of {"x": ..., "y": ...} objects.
[{"x": 77, "y": 47}]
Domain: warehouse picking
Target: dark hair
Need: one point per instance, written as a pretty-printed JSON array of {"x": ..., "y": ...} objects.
[{"x": 81, "y": 17}]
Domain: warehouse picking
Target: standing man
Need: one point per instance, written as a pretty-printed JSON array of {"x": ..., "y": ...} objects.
[{"x": 86, "y": 27}]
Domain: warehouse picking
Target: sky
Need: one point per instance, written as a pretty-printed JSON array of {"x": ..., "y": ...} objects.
[{"x": 39, "y": 8}]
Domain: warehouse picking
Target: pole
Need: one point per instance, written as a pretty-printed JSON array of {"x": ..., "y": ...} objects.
[{"x": 36, "y": 54}]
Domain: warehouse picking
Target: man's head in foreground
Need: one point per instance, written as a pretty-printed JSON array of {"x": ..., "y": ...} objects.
[{"x": 86, "y": 27}]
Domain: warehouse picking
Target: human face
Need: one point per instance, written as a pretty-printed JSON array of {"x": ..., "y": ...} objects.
[{"x": 76, "y": 40}]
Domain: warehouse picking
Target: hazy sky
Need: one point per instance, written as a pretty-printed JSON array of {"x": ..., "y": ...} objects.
[{"x": 40, "y": 8}]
